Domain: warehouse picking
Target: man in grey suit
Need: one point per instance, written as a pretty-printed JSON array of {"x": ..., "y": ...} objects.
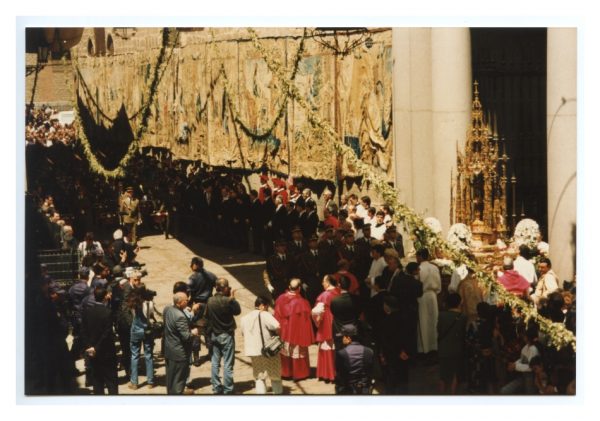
[{"x": 178, "y": 344}]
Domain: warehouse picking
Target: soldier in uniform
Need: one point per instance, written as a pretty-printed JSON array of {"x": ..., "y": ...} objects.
[
  {"x": 393, "y": 239},
  {"x": 130, "y": 213},
  {"x": 277, "y": 274},
  {"x": 308, "y": 269},
  {"x": 297, "y": 246},
  {"x": 363, "y": 261},
  {"x": 347, "y": 250},
  {"x": 328, "y": 249}
]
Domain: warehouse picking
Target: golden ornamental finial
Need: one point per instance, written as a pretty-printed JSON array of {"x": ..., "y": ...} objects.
[{"x": 475, "y": 85}]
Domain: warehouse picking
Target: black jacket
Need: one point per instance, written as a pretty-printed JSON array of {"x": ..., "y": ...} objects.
[
  {"x": 97, "y": 332},
  {"x": 353, "y": 365},
  {"x": 219, "y": 313},
  {"x": 345, "y": 311}
]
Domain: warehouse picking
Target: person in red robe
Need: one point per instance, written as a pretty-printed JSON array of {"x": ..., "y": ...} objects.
[
  {"x": 323, "y": 319},
  {"x": 513, "y": 281},
  {"x": 292, "y": 311},
  {"x": 280, "y": 189},
  {"x": 264, "y": 184}
]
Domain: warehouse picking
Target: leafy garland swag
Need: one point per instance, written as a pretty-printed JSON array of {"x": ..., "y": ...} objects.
[
  {"x": 159, "y": 71},
  {"x": 145, "y": 109},
  {"x": 556, "y": 333}
]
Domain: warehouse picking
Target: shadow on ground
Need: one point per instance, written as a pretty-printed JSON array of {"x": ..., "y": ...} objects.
[{"x": 246, "y": 267}]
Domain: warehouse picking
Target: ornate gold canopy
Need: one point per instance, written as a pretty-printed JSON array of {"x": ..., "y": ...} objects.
[{"x": 479, "y": 188}]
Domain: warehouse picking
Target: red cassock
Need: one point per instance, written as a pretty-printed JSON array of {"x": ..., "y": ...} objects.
[
  {"x": 293, "y": 314},
  {"x": 326, "y": 355}
]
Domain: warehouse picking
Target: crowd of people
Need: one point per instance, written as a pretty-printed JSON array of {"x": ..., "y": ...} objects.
[
  {"x": 336, "y": 275},
  {"x": 42, "y": 127}
]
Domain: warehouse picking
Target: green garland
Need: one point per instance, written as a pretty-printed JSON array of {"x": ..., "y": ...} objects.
[
  {"x": 119, "y": 170},
  {"x": 558, "y": 336},
  {"x": 284, "y": 97}
]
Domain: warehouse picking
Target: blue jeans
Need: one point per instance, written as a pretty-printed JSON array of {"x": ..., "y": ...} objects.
[
  {"x": 135, "y": 356},
  {"x": 223, "y": 347}
]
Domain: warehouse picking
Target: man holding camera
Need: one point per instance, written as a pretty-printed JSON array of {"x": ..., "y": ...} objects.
[{"x": 220, "y": 312}]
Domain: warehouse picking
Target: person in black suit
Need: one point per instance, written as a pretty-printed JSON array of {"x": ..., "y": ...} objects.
[
  {"x": 293, "y": 216},
  {"x": 328, "y": 249},
  {"x": 178, "y": 344},
  {"x": 277, "y": 273},
  {"x": 307, "y": 268},
  {"x": 297, "y": 246},
  {"x": 209, "y": 206},
  {"x": 256, "y": 222},
  {"x": 347, "y": 251},
  {"x": 345, "y": 311},
  {"x": 279, "y": 223},
  {"x": 241, "y": 220},
  {"x": 268, "y": 209},
  {"x": 302, "y": 214},
  {"x": 395, "y": 349},
  {"x": 374, "y": 313},
  {"x": 407, "y": 288},
  {"x": 393, "y": 239},
  {"x": 99, "y": 343},
  {"x": 311, "y": 219}
]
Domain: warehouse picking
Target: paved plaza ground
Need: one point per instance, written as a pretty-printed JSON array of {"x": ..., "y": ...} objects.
[{"x": 167, "y": 262}]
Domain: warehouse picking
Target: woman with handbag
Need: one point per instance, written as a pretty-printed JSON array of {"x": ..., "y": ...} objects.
[
  {"x": 260, "y": 330},
  {"x": 141, "y": 305}
]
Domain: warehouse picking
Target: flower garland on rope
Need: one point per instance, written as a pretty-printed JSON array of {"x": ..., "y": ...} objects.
[
  {"x": 119, "y": 170},
  {"x": 557, "y": 335}
]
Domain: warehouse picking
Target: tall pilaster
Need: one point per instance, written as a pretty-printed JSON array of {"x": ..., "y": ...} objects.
[
  {"x": 451, "y": 109},
  {"x": 419, "y": 44},
  {"x": 562, "y": 148}
]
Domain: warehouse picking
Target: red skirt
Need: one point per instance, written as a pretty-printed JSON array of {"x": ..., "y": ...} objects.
[
  {"x": 326, "y": 364},
  {"x": 295, "y": 362}
]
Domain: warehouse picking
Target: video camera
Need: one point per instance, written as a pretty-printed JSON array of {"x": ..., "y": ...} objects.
[{"x": 148, "y": 294}]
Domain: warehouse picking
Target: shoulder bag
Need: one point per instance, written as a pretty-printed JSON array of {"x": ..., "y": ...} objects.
[{"x": 271, "y": 346}]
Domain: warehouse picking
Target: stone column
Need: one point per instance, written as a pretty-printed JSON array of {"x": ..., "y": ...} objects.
[
  {"x": 419, "y": 94},
  {"x": 562, "y": 148},
  {"x": 451, "y": 110},
  {"x": 402, "y": 114}
]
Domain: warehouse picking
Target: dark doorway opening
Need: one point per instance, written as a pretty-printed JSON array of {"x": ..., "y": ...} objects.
[{"x": 510, "y": 66}]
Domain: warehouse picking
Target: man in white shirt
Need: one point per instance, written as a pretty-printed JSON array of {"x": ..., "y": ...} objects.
[
  {"x": 377, "y": 266},
  {"x": 524, "y": 382},
  {"x": 363, "y": 206},
  {"x": 524, "y": 266},
  {"x": 378, "y": 229},
  {"x": 252, "y": 329},
  {"x": 548, "y": 282}
]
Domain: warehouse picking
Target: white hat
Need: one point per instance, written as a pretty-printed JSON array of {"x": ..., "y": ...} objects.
[{"x": 118, "y": 234}]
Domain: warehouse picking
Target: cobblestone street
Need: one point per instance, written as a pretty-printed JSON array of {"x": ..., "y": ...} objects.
[{"x": 167, "y": 261}]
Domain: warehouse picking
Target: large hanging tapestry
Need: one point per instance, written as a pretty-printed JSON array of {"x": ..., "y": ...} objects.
[{"x": 216, "y": 100}]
